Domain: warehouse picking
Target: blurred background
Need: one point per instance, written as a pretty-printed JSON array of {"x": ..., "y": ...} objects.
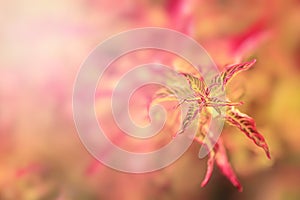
[{"x": 42, "y": 45}]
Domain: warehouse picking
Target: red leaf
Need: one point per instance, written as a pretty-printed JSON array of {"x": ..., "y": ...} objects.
[
  {"x": 232, "y": 70},
  {"x": 218, "y": 155},
  {"x": 210, "y": 167},
  {"x": 224, "y": 165},
  {"x": 222, "y": 79},
  {"x": 247, "y": 125}
]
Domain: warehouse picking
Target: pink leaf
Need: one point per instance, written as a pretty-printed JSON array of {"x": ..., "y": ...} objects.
[
  {"x": 224, "y": 165},
  {"x": 210, "y": 167}
]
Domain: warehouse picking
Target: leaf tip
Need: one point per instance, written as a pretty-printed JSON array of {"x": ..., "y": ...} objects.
[
  {"x": 268, "y": 154},
  {"x": 204, "y": 183},
  {"x": 239, "y": 188},
  {"x": 253, "y": 61}
]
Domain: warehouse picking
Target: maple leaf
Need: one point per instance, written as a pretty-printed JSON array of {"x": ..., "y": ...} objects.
[{"x": 204, "y": 96}]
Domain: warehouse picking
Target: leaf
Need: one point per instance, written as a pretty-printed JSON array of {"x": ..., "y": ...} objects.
[
  {"x": 218, "y": 83},
  {"x": 204, "y": 125},
  {"x": 216, "y": 102},
  {"x": 162, "y": 95},
  {"x": 210, "y": 168},
  {"x": 247, "y": 125},
  {"x": 196, "y": 84},
  {"x": 191, "y": 114},
  {"x": 211, "y": 155},
  {"x": 234, "y": 69},
  {"x": 165, "y": 94},
  {"x": 218, "y": 155},
  {"x": 164, "y": 99},
  {"x": 224, "y": 165}
]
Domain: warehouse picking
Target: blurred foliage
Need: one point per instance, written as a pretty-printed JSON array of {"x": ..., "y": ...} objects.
[{"x": 42, "y": 46}]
